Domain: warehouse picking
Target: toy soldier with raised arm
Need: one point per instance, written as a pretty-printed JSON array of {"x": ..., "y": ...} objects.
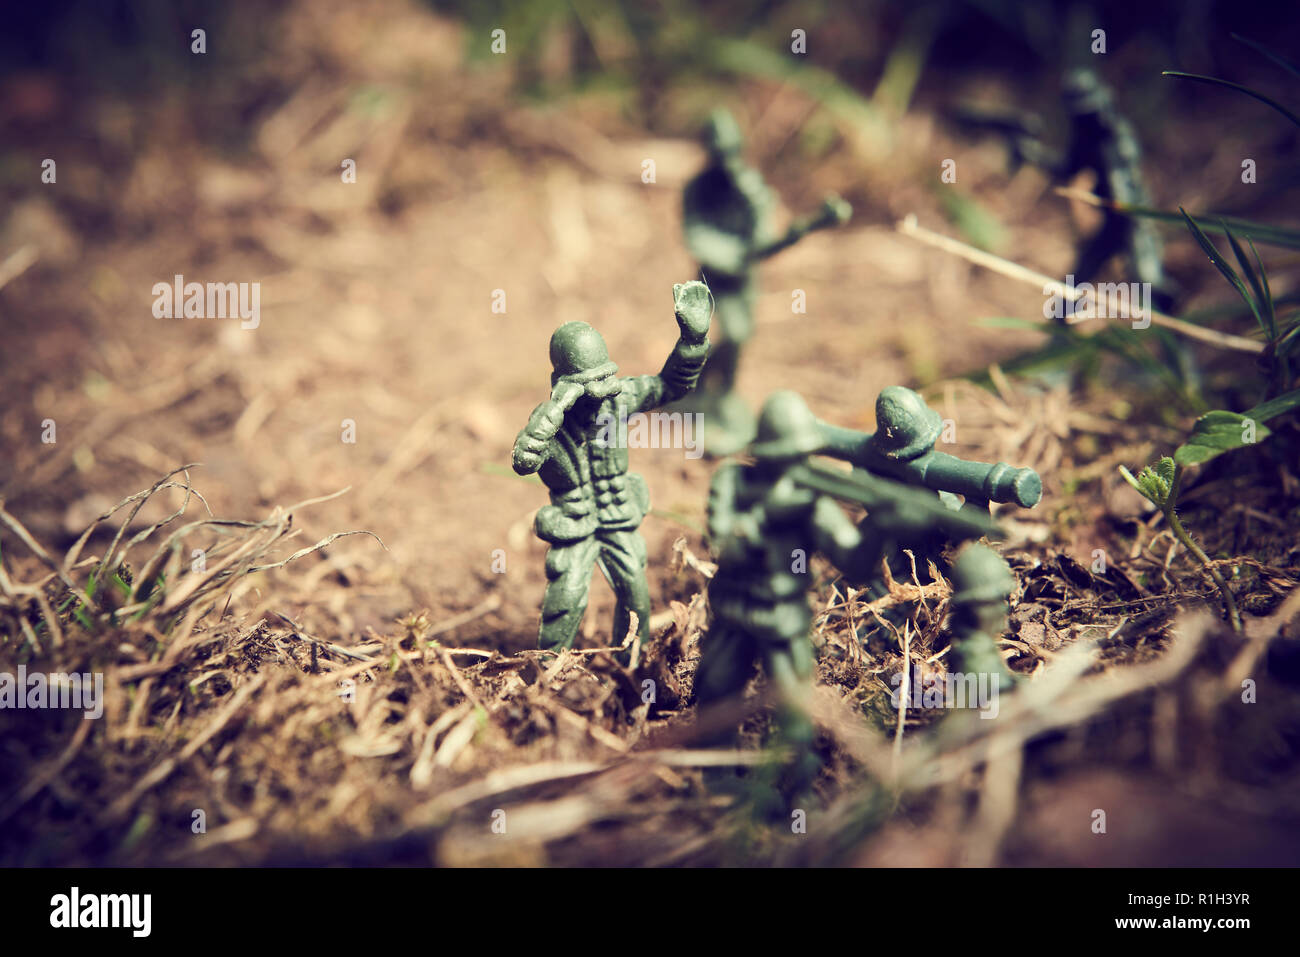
[
  {"x": 596, "y": 504},
  {"x": 766, "y": 521},
  {"x": 727, "y": 218}
]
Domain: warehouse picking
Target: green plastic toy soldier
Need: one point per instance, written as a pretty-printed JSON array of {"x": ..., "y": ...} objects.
[
  {"x": 766, "y": 520},
  {"x": 727, "y": 216},
  {"x": 596, "y": 504},
  {"x": 764, "y": 526},
  {"x": 1101, "y": 141},
  {"x": 902, "y": 448},
  {"x": 982, "y": 583}
]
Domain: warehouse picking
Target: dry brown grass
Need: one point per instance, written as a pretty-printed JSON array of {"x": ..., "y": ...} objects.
[{"x": 396, "y": 746}]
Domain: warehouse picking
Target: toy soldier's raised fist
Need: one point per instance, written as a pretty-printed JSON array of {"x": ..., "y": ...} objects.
[{"x": 693, "y": 304}]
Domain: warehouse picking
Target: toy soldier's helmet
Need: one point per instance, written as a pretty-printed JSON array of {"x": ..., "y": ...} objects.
[
  {"x": 722, "y": 134},
  {"x": 787, "y": 429},
  {"x": 579, "y": 354},
  {"x": 980, "y": 576},
  {"x": 905, "y": 426}
]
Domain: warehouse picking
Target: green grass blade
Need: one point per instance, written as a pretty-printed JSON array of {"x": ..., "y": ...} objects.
[
  {"x": 1270, "y": 308},
  {"x": 1252, "y": 278},
  {"x": 1265, "y": 51},
  {"x": 1221, "y": 264},
  {"x": 1215, "y": 81},
  {"x": 1285, "y": 236}
]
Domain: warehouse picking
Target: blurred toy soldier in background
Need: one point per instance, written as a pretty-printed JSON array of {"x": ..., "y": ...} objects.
[
  {"x": 727, "y": 217},
  {"x": 1102, "y": 142},
  {"x": 596, "y": 504}
]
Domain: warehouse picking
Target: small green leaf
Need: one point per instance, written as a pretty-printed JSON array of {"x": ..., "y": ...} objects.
[
  {"x": 1218, "y": 432},
  {"x": 1149, "y": 484},
  {"x": 1165, "y": 470},
  {"x": 1275, "y": 407}
]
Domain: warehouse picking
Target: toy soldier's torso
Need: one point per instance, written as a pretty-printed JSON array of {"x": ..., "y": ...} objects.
[
  {"x": 588, "y": 479},
  {"x": 726, "y": 211},
  {"x": 772, "y": 570},
  {"x": 1105, "y": 143}
]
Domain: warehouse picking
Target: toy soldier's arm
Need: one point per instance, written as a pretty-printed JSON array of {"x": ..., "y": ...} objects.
[
  {"x": 532, "y": 445},
  {"x": 1034, "y": 152},
  {"x": 978, "y": 481},
  {"x": 834, "y": 212},
  {"x": 722, "y": 502},
  {"x": 833, "y": 533},
  {"x": 1020, "y": 130},
  {"x": 848, "y": 445},
  {"x": 693, "y": 305}
]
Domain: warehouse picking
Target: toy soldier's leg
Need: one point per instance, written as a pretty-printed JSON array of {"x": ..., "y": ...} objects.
[
  {"x": 622, "y": 559},
  {"x": 726, "y": 664},
  {"x": 791, "y": 670},
  {"x": 568, "y": 586}
]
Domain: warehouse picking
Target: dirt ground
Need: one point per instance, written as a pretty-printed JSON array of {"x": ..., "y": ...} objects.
[{"x": 377, "y": 309}]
